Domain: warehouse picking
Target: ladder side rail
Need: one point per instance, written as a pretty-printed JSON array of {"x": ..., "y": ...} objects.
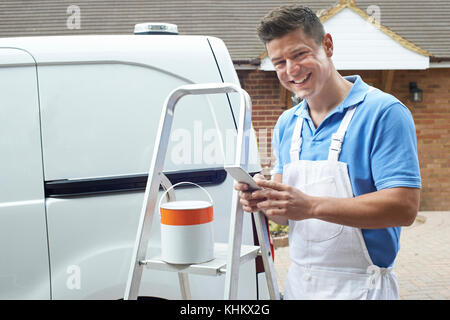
[
  {"x": 150, "y": 196},
  {"x": 237, "y": 213},
  {"x": 262, "y": 231}
]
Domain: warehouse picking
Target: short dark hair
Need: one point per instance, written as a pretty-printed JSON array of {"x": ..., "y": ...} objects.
[{"x": 282, "y": 20}]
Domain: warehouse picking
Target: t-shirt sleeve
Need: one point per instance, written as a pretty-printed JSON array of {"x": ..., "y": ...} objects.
[{"x": 394, "y": 160}]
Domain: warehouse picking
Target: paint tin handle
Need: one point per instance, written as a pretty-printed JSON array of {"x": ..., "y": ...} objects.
[{"x": 184, "y": 182}]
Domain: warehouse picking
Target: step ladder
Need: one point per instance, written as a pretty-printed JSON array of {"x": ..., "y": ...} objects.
[{"x": 228, "y": 256}]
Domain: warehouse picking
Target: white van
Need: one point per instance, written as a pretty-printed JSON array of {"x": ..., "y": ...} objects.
[{"x": 78, "y": 120}]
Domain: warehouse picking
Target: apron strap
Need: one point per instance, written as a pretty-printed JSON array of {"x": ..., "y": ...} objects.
[
  {"x": 296, "y": 140},
  {"x": 338, "y": 138}
]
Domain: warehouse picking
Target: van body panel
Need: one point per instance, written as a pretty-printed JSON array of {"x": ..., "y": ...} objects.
[{"x": 24, "y": 263}]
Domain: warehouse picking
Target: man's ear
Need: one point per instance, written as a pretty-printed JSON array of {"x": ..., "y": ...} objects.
[{"x": 327, "y": 43}]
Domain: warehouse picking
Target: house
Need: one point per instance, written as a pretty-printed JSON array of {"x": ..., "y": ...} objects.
[{"x": 399, "y": 46}]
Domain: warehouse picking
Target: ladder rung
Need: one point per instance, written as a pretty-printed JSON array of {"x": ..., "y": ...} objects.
[{"x": 215, "y": 267}]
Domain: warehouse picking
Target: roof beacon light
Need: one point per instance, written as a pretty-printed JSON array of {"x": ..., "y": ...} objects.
[{"x": 155, "y": 28}]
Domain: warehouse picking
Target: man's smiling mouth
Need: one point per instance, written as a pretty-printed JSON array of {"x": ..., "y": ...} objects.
[{"x": 301, "y": 81}]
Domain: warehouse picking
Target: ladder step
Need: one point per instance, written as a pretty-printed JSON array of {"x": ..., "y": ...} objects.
[{"x": 215, "y": 267}]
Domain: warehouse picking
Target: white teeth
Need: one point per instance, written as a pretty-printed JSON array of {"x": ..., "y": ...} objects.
[{"x": 301, "y": 81}]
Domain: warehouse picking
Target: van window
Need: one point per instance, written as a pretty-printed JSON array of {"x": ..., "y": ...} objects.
[{"x": 101, "y": 120}]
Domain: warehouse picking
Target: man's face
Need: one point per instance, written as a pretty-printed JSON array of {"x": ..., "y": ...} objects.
[{"x": 302, "y": 66}]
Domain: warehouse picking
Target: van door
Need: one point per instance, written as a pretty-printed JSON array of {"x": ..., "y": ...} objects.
[{"x": 24, "y": 262}]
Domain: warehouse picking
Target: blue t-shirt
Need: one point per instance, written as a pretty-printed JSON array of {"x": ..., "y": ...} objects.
[{"x": 380, "y": 149}]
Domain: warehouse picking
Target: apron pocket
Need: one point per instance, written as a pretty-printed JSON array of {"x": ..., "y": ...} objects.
[
  {"x": 314, "y": 229},
  {"x": 319, "y": 284}
]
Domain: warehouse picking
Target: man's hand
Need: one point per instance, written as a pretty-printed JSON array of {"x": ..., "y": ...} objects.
[
  {"x": 283, "y": 200},
  {"x": 249, "y": 203},
  {"x": 259, "y": 201}
]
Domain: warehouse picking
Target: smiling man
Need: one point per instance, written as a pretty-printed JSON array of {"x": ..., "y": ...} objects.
[{"x": 346, "y": 176}]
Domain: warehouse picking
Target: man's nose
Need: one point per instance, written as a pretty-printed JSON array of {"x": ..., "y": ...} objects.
[{"x": 292, "y": 68}]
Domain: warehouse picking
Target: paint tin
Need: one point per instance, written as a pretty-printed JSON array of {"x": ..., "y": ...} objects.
[{"x": 187, "y": 230}]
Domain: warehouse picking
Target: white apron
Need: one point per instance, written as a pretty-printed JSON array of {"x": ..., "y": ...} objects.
[{"x": 329, "y": 261}]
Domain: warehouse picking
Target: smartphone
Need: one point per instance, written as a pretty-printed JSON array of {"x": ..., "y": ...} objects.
[{"x": 241, "y": 175}]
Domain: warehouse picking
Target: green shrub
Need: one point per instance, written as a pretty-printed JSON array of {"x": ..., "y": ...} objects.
[{"x": 277, "y": 230}]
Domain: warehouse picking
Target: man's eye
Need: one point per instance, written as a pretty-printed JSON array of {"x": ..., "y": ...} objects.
[{"x": 299, "y": 54}]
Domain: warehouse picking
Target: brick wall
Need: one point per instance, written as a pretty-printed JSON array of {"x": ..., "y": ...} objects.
[
  {"x": 432, "y": 119},
  {"x": 264, "y": 89}
]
